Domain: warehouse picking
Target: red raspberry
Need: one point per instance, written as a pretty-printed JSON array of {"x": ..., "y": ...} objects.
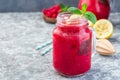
[
  {"x": 53, "y": 11},
  {"x": 48, "y": 14},
  {"x": 57, "y": 7},
  {"x": 44, "y": 11},
  {"x": 58, "y": 11},
  {"x": 54, "y": 15}
]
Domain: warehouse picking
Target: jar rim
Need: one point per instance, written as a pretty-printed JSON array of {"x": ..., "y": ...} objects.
[{"x": 64, "y": 17}]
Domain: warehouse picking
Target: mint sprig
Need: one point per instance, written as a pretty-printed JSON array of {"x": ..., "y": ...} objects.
[
  {"x": 89, "y": 15},
  {"x": 74, "y": 10},
  {"x": 84, "y": 7},
  {"x": 64, "y": 8}
]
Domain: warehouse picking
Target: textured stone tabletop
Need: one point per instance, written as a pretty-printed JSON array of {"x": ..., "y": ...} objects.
[{"x": 20, "y": 33}]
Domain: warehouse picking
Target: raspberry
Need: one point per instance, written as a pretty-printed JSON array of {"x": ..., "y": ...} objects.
[
  {"x": 54, "y": 15},
  {"x": 57, "y": 6},
  {"x": 44, "y": 11},
  {"x": 58, "y": 11},
  {"x": 52, "y": 12},
  {"x": 48, "y": 14}
]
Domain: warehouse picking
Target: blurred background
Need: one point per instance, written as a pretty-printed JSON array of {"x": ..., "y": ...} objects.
[{"x": 38, "y": 5}]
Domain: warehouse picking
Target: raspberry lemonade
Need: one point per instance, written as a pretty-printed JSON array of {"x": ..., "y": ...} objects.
[{"x": 72, "y": 45}]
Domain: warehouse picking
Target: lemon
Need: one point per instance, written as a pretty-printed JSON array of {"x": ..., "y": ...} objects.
[
  {"x": 75, "y": 16},
  {"x": 90, "y": 23},
  {"x": 103, "y": 28}
]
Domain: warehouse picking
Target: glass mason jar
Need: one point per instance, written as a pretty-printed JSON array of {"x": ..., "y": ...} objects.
[{"x": 72, "y": 45}]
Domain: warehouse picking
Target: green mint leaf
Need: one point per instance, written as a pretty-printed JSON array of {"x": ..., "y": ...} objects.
[
  {"x": 62, "y": 5},
  {"x": 90, "y": 16},
  {"x": 84, "y": 7},
  {"x": 82, "y": 11},
  {"x": 74, "y": 10},
  {"x": 64, "y": 9}
]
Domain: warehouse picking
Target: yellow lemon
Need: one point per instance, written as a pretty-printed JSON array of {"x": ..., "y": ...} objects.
[
  {"x": 103, "y": 28},
  {"x": 75, "y": 16},
  {"x": 90, "y": 23}
]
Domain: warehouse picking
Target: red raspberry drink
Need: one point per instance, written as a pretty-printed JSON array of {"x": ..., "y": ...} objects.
[{"x": 72, "y": 45}]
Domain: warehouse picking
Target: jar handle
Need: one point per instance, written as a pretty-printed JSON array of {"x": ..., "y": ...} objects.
[{"x": 93, "y": 42}]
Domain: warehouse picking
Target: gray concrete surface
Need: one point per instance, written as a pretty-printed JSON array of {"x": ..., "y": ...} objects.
[{"x": 21, "y": 33}]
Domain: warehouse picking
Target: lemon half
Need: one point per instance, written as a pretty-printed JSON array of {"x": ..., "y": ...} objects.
[
  {"x": 75, "y": 16},
  {"x": 103, "y": 28}
]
